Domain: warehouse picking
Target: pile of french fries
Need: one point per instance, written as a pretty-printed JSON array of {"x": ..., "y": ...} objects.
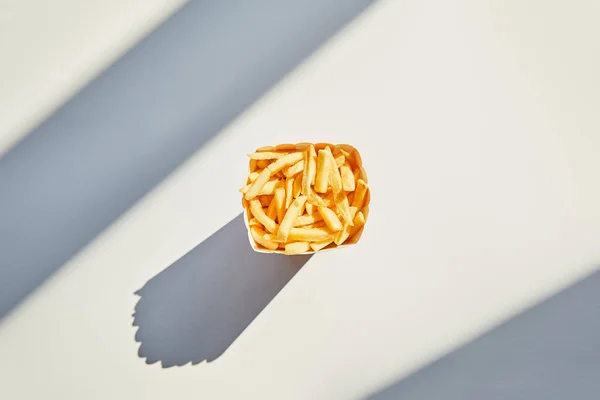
[{"x": 305, "y": 198}]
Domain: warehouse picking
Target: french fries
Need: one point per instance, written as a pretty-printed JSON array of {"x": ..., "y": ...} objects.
[
  {"x": 294, "y": 169},
  {"x": 258, "y": 184},
  {"x": 320, "y": 245},
  {"x": 254, "y": 222},
  {"x": 258, "y": 235},
  {"x": 289, "y": 219},
  {"x": 258, "y": 212},
  {"x": 359, "y": 194},
  {"x": 348, "y": 183},
  {"x": 305, "y": 198},
  {"x": 297, "y": 187},
  {"x": 309, "y": 234},
  {"x": 253, "y": 175},
  {"x": 289, "y": 192},
  {"x": 310, "y": 169},
  {"x": 285, "y": 161},
  {"x": 267, "y": 189},
  {"x": 322, "y": 175},
  {"x": 331, "y": 220},
  {"x": 296, "y": 248},
  {"x": 279, "y": 201},
  {"x": 308, "y": 219},
  {"x": 271, "y": 207},
  {"x": 309, "y": 208},
  {"x": 340, "y": 198},
  {"x": 345, "y": 232}
]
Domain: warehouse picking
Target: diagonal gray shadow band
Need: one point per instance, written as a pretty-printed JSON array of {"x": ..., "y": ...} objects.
[
  {"x": 551, "y": 351},
  {"x": 125, "y": 132},
  {"x": 194, "y": 309}
]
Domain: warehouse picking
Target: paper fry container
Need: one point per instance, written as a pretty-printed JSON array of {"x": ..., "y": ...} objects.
[{"x": 355, "y": 161}]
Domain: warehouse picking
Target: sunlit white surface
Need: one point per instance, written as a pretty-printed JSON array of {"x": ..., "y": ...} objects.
[
  {"x": 479, "y": 136},
  {"x": 51, "y": 49}
]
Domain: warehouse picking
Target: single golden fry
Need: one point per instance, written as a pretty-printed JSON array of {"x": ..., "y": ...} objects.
[
  {"x": 258, "y": 236},
  {"x": 266, "y": 148},
  {"x": 309, "y": 208},
  {"x": 310, "y": 169},
  {"x": 296, "y": 248},
  {"x": 309, "y": 234},
  {"x": 308, "y": 219},
  {"x": 322, "y": 174},
  {"x": 297, "y": 188},
  {"x": 258, "y": 184},
  {"x": 320, "y": 245},
  {"x": 285, "y": 161},
  {"x": 331, "y": 220},
  {"x": 289, "y": 190},
  {"x": 258, "y": 212},
  {"x": 290, "y": 218},
  {"x": 335, "y": 180},
  {"x": 360, "y": 194},
  {"x": 266, "y": 155},
  {"x": 347, "y": 178},
  {"x": 279, "y": 201},
  {"x": 294, "y": 169},
  {"x": 267, "y": 189}
]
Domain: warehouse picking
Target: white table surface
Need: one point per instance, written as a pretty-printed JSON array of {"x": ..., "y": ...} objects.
[
  {"x": 51, "y": 49},
  {"x": 477, "y": 123}
]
